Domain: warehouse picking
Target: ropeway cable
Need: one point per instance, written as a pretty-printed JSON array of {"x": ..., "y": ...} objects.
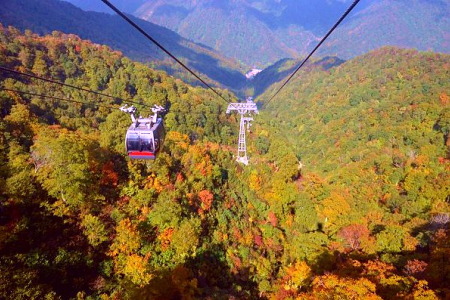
[
  {"x": 57, "y": 98},
  {"x": 138, "y": 28},
  {"x": 68, "y": 85},
  {"x": 317, "y": 47}
]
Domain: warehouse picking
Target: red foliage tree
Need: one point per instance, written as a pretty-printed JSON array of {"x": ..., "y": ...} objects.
[
  {"x": 354, "y": 234},
  {"x": 415, "y": 267},
  {"x": 273, "y": 219},
  {"x": 109, "y": 176},
  {"x": 206, "y": 199}
]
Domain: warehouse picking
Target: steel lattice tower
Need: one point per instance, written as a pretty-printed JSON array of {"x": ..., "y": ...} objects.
[{"x": 243, "y": 108}]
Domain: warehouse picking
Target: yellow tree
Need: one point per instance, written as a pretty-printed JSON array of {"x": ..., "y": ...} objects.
[
  {"x": 127, "y": 260},
  {"x": 331, "y": 286}
]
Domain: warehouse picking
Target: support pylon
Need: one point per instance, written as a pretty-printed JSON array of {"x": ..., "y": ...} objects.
[{"x": 243, "y": 109}]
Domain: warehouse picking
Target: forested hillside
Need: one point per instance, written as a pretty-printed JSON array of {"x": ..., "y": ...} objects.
[
  {"x": 347, "y": 194},
  {"x": 45, "y": 16}
]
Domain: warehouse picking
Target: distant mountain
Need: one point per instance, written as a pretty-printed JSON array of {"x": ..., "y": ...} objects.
[
  {"x": 45, "y": 16},
  {"x": 128, "y": 6},
  {"x": 313, "y": 16},
  {"x": 420, "y": 24},
  {"x": 260, "y": 32},
  {"x": 255, "y": 32}
]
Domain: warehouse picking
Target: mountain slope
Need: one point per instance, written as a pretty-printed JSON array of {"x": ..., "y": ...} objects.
[
  {"x": 48, "y": 15},
  {"x": 360, "y": 109},
  {"x": 63, "y": 169},
  {"x": 233, "y": 27},
  {"x": 369, "y": 199},
  {"x": 420, "y": 24},
  {"x": 262, "y": 32}
]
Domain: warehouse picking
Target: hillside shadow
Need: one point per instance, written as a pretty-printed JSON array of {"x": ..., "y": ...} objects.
[
  {"x": 426, "y": 262},
  {"x": 206, "y": 276},
  {"x": 217, "y": 280},
  {"x": 51, "y": 239}
]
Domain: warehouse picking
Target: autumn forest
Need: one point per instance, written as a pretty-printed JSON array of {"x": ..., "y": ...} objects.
[{"x": 347, "y": 195}]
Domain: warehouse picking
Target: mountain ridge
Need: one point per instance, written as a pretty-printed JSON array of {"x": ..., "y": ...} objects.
[
  {"x": 419, "y": 24},
  {"x": 48, "y": 15},
  {"x": 293, "y": 27}
]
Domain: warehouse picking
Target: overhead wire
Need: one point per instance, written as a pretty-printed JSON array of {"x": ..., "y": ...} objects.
[
  {"x": 69, "y": 85},
  {"x": 58, "y": 98},
  {"x": 121, "y": 14},
  {"x": 317, "y": 47},
  {"x": 138, "y": 28}
]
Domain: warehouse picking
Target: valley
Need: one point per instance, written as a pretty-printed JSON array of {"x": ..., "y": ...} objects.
[
  {"x": 346, "y": 196},
  {"x": 360, "y": 34},
  {"x": 259, "y": 33},
  {"x": 110, "y": 30}
]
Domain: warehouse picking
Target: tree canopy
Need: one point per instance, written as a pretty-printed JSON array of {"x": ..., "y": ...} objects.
[{"x": 346, "y": 196}]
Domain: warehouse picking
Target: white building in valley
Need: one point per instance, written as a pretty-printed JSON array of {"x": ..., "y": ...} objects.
[{"x": 252, "y": 73}]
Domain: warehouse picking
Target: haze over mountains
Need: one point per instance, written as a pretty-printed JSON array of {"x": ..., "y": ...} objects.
[
  {"x": 260, "y": 32},
  {"x": 255, "y": 32},
  {"x": 224, "y": 39},
  {"x": 420, "y": 24}
]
